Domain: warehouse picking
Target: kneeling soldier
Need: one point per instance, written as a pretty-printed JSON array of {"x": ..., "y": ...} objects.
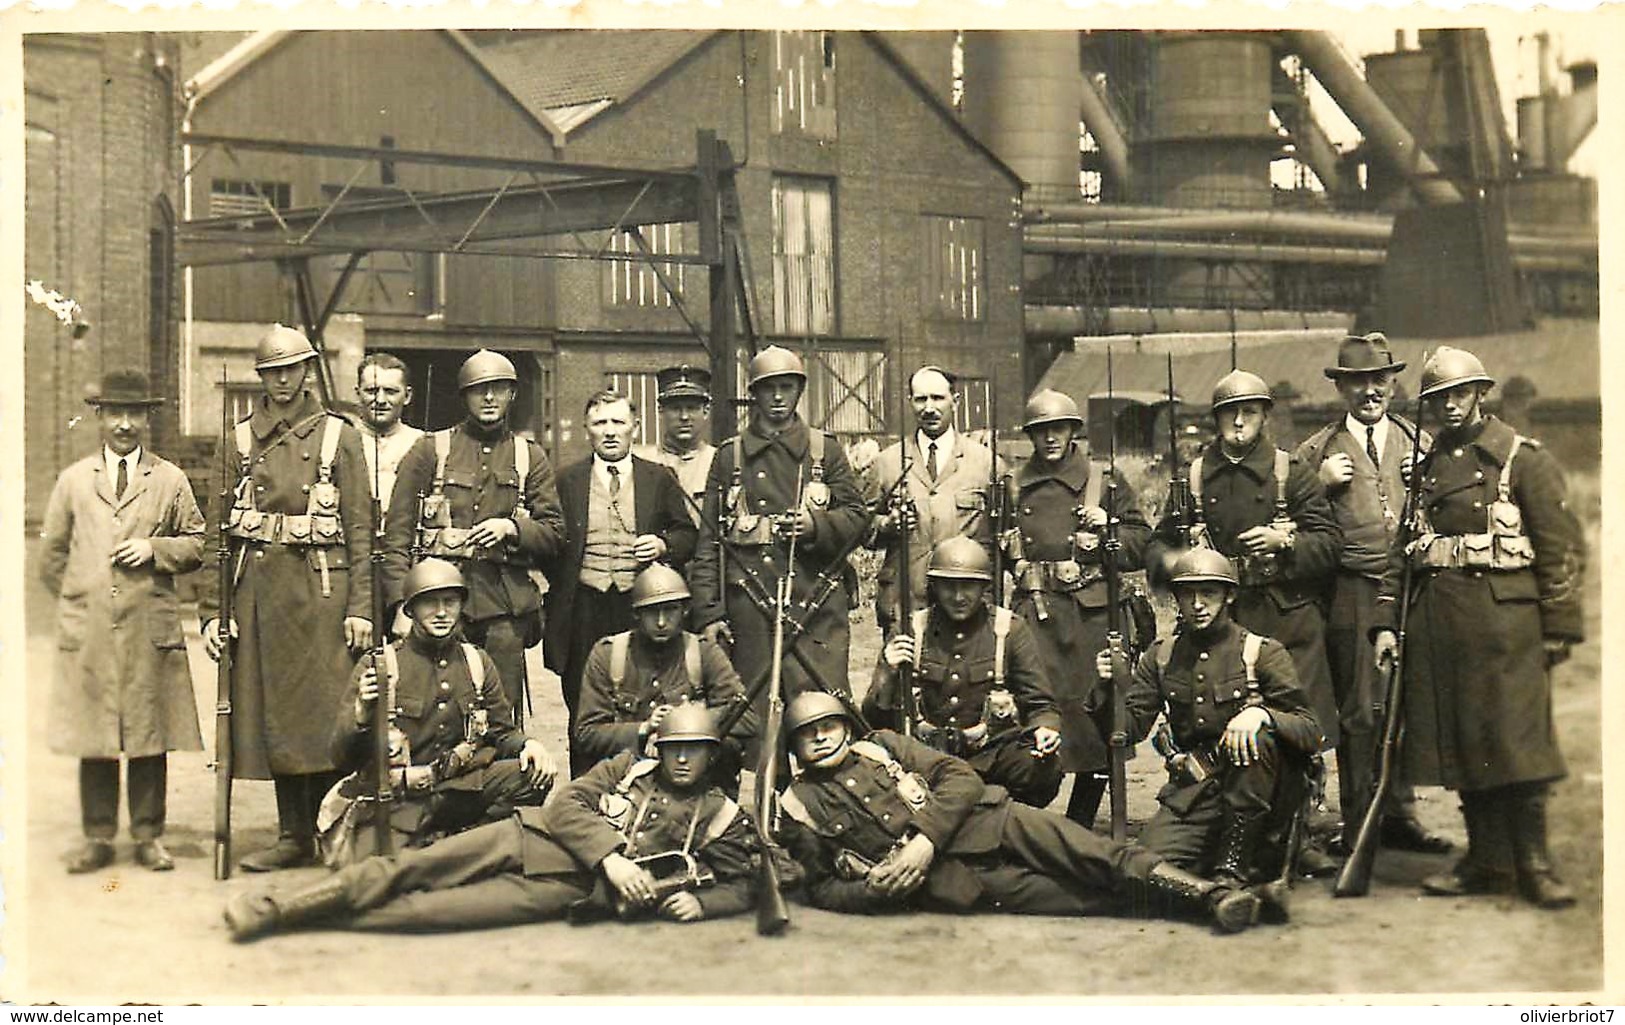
[
  {"x": 635, "y": 679},
  {"x": 459, "y": 759},
  {"x": 631, "y": 837},
  {"x": 981, "y": 693},
  {"x": 1238, "y": 719},
  {"x": 887, "y": 824}
]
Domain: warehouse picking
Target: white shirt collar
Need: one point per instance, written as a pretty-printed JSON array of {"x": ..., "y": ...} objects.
[
  {"x": 945, "y": 445},
  {"x": 111, "y": 460},
  {"x": 600, "y": 469},
  {"x": 1358, "y": 429}
]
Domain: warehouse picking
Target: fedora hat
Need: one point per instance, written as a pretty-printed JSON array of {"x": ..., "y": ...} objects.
[
  {"x": 124, "y": 388},
  {"x": 1364, "y": 354}
]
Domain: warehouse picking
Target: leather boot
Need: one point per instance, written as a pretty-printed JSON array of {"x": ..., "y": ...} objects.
[
  {"x": 296, "y": 843},
  {"x": 1236, "y": 843},
  {"x": 1233, "y": 908},
  {"x": 1484, "y": 868},
  {"x": 1537, "y": 879},
  {"x": 252, "y": 915}
]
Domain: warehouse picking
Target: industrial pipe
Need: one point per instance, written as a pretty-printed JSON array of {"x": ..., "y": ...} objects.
[
  {"x": 1261, "y": 253},
  {"x": 1098, "y": 118},
  {"x": 1062, "y": 321}
]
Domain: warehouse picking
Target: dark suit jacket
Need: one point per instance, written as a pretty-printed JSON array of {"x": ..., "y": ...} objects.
[{"x": 658, "y": 508}]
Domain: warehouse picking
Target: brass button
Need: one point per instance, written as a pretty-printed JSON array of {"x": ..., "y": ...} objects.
[
  {"x": 305, "y": 488},
  {"x": 761, "y": 474},
  {"x": 304, "y": 455},
  {"x": 1198, "y": 699},
  {"x": 1235, "y": 694},
  {"x": 1478, "y": 474},
  {"x": 1457, "y": 453},
  {"x": 442, "y": 663},
  {"x": 259, "y": 555},
  {"x": 1203, "y": 656},
  {"x": 445, "y": 685},
  {"x": 850, "y": 782},
  {"x": 1201, "y": 676},
  {"x": 441, "y": 705},
  {"x": 485, "y": 449},
  {"x": 953, "y": 699}
]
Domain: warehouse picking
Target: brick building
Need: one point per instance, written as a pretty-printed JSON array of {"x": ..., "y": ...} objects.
[
  {"x": 875, "y": 224},
  {"x": 102, "y": 167}
]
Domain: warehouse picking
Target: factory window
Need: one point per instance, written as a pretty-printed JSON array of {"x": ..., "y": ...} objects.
[
  {"x": 633, "y": 282},
  {"x": 953, "y": 286},
  {"x": 803, "y": 257},
  {"x": 229, "y": 198},
  {"x": 846, "y": 390},
  {"x": 804, "y": 83},
  {"x": 974, "y": 411},
  {"x": 643, "y": 389},
  {"x": 406, "y": 284}
]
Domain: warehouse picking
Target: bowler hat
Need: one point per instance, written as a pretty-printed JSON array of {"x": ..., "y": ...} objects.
[
  {"x": 684, "y": 382},
  {"x": 124, "y": 388},
  {"x": 1364, "y": 354}
]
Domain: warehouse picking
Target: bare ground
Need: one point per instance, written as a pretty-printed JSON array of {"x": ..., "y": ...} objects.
[{"x": 131, "y": 935}]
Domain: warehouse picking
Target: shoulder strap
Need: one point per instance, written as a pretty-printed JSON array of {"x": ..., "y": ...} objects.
[
  {"x": 476, "y": 667},
  {"x": 636, "y": 771},
  {"x": 392, "y": 671},
  {"x": 330, "y": 446},
  {"x": 619, "y": 645},
  {"x": 815, "y": 447},
  {"x": 691, "y": 658},
  {"x": 722, "y": 820},
  {"x": 1251, "y": 645},
  {"x": 791, "y": 804},
  {"x": 1195, "y": 474},
  {"x": 1504, "y": 485},
  {"x": 245, "y": 439},
  {"x": 874, "y": 752},
  {"x": 1001, "y": 631},
  {"x": 1092, "y": 487},
  {"x": 1283, "y": 467},
  {"x": 922, "y": 618},
  {"x": 1164, "y": 653},
  {"x": 442, "y": 450},
  {"x": 521, "y": 462}
]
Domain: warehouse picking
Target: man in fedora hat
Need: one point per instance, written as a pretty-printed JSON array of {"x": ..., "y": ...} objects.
[
  {"x": 1361, "y": 459},
  {"x": 685, "y": 412},
  {"x": 121, "y": 524}
]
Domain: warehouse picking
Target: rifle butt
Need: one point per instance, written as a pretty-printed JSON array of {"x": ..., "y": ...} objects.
[
  {"x": 772, "y": 913},
  {"x": 1354, "y": 879}
]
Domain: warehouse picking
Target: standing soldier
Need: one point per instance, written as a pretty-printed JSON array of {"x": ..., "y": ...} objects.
[
  {"x": 382, "y": 387},
  {"x": 982, "y": 694},
  {"x": 751, "y": 500},
  {"x": 621, "y": 513},
  {"x": 1360, "y": 459},
  {"x": 1055, "y": 547},
  {"x": 1497, "y": 559},
  {"x": 483, "y": 498},
  {"x": 947, "y": 486},
  {"x": 685, "y": 405},
  {"x": 119, "y": 526},
  {"x": 301, "y": 526}
]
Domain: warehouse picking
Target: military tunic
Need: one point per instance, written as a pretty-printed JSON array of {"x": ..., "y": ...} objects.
[
  {"x": 1237, "y": 496},
  {"x": 290, "y": 664},
  {"x": 952, "y": 683},
  {"x": 693, "y": 469},
  {"x": 1200, "y": 685},
  {"x": 1061, "y": 590},
  {"x": 1478, "y": 703}
]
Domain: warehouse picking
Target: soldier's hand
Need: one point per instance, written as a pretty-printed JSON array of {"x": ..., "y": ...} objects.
[
  {"x": 1105, "y": 665},
  {"x": 1262, "y": 540},
  {"x": 538, "y": 763},
  {"x": 1045, "y": 742},
  {"x": 1092, "y": 516},
  {"x": 137, "y": 551},
  {"x": 365, "y": 694},
  {"x": 905, "y": 868},
  {"x": 651, "y": 725},
  {"x": 1337, "y": 470},
  {"x": 681, "y": 906},
  {"x": 211, "y": 637},
  {"x": 1405, "y": 467},
  {"x": 798, "y": 524},
  {"x": 648, "y": 547},
  {"x": 900, "y": 649},
  {"x": 401, "y": 625},
  {"x": 1240, "y": 740},
  {"x": 1386, "y": 647},
  {"x": 492, "y": 532},
  {"x": 636, "y": 886},
  {"x": 719, "y": 633},
  {"x": 357, "y": 633},
  {"x": 1557, "y": 651}
]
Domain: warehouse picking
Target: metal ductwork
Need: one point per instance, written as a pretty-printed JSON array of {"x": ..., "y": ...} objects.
[{"x": 1068, "y": 321}]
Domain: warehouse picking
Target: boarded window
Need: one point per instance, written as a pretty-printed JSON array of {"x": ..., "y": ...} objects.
[
  {"x": 803, "y": 257},
  {"x": 846, "y": 391},
  {"x": 634, "y": 282},
  {"x": 975, "y": 404},
  {"x": 643, "y": 389},
  {"x": 804, "y": 83},
  {"x": 236, "y": 198},
  {"x": 953, "y": 287}
]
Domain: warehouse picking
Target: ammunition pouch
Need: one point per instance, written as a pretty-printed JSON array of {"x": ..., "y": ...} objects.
[
  {"x": 1495, "y": 552},
  {"x": 1189, "y": 768},
  {"x": 1065, "y": 575},
  {"x": 452, "y": 543},
  {"x": 852, "y": 867},
  {"x": 750, "y": 529},
  {"x": 301, "y": 530},
  {"x": 951, "y": 740}
]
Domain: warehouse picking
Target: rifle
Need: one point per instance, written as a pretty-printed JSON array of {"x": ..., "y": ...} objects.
[
  {"x": 1354, "y": 880},
  {"x": 1178, "y": 506},
  {"x": 222, "y": 705},
  {"x": 996, "y": 490},
  {"x": 1111, "y": 545},
  {"x": 772, "y": 914},
  {"x": 905, "y": 564},
  {"x": 672, "y": 872},
  {"x": 383, "y": 791}
]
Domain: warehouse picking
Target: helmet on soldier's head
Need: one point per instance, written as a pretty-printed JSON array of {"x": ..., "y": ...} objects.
[
  {"x": 1050, "y": 406},
  {"x": 960, "y": 558},
  {"x": 485, "y": 366},
  {"x": 1448, "y": 367},
  {"x": 658, "y": 585},
  {"x": 282, "y": 346},
  {"x": 1240, "y": 386},
  {"x": 1202, "y": 566},
  {"x": 811, "y": 706},
  {"x": 431, "y": 575},
  {"x": 690, "y": 720},
  {"x": 775, "y": 361}
]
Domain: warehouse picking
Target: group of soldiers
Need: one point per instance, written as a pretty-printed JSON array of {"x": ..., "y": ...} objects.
[{"x": 666, "y": 600}]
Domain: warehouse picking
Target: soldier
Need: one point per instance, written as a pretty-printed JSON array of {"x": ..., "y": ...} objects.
[
  {"x": 1497, "y": 560},
  {"x": 1361, "y": 459},
  {"x": 1238, "y": 724},
  {"x": 635, "y": 679},
  {"x": 1055, "y": 547},
  {"x": 886, "y": 824},
  {"x": 301, "y": 526},
  {"x": 461, "y": 759},
  {"x": 982, "y": 694},
  {"x": 120, "y": 525},
  {"x": 684, "y": 400},
  {"x": 947, "y": 486},
  {"x": 489, "y": 505},
  {"x": 633, "y": 837},
  {"x": 751, "y": 499},
  {"x": 381, "y": 385},
  {"x": 621, "y": 513}
]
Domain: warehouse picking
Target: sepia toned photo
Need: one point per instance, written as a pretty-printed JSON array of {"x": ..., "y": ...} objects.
[{"x": 1105, "y": 510}]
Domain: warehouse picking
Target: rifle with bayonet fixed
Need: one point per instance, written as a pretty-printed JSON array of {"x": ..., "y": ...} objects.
[
  {"x": 222, "y": 706},
  {"x": 997, "y": 492},
  {"x": 1110, "y": 548},
  {"x": 772, "y": 914},
  {"x": 383, "y": 790},
  {"x": 902, "y": 554}
]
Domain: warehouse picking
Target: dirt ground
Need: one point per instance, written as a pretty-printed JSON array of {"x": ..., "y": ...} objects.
[{"x": 130, "y": 935}]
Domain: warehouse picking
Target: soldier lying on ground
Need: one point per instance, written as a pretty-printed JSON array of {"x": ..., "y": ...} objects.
[
  {"x": 632, "y": 837},
  {"x": 458, "y": 757},
  {"x": 1240, "y": 724},
  {"x": 982, "y": 693},
  {"x": 887, "y": 824}
]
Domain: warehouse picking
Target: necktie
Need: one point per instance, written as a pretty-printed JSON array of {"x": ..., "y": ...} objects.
[
  {"x": 123, "y": 478},
  {"x": 931, "y": 460},
  {"x": 1371, "y": 443},
  {"x": 614, "y": 479}
]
